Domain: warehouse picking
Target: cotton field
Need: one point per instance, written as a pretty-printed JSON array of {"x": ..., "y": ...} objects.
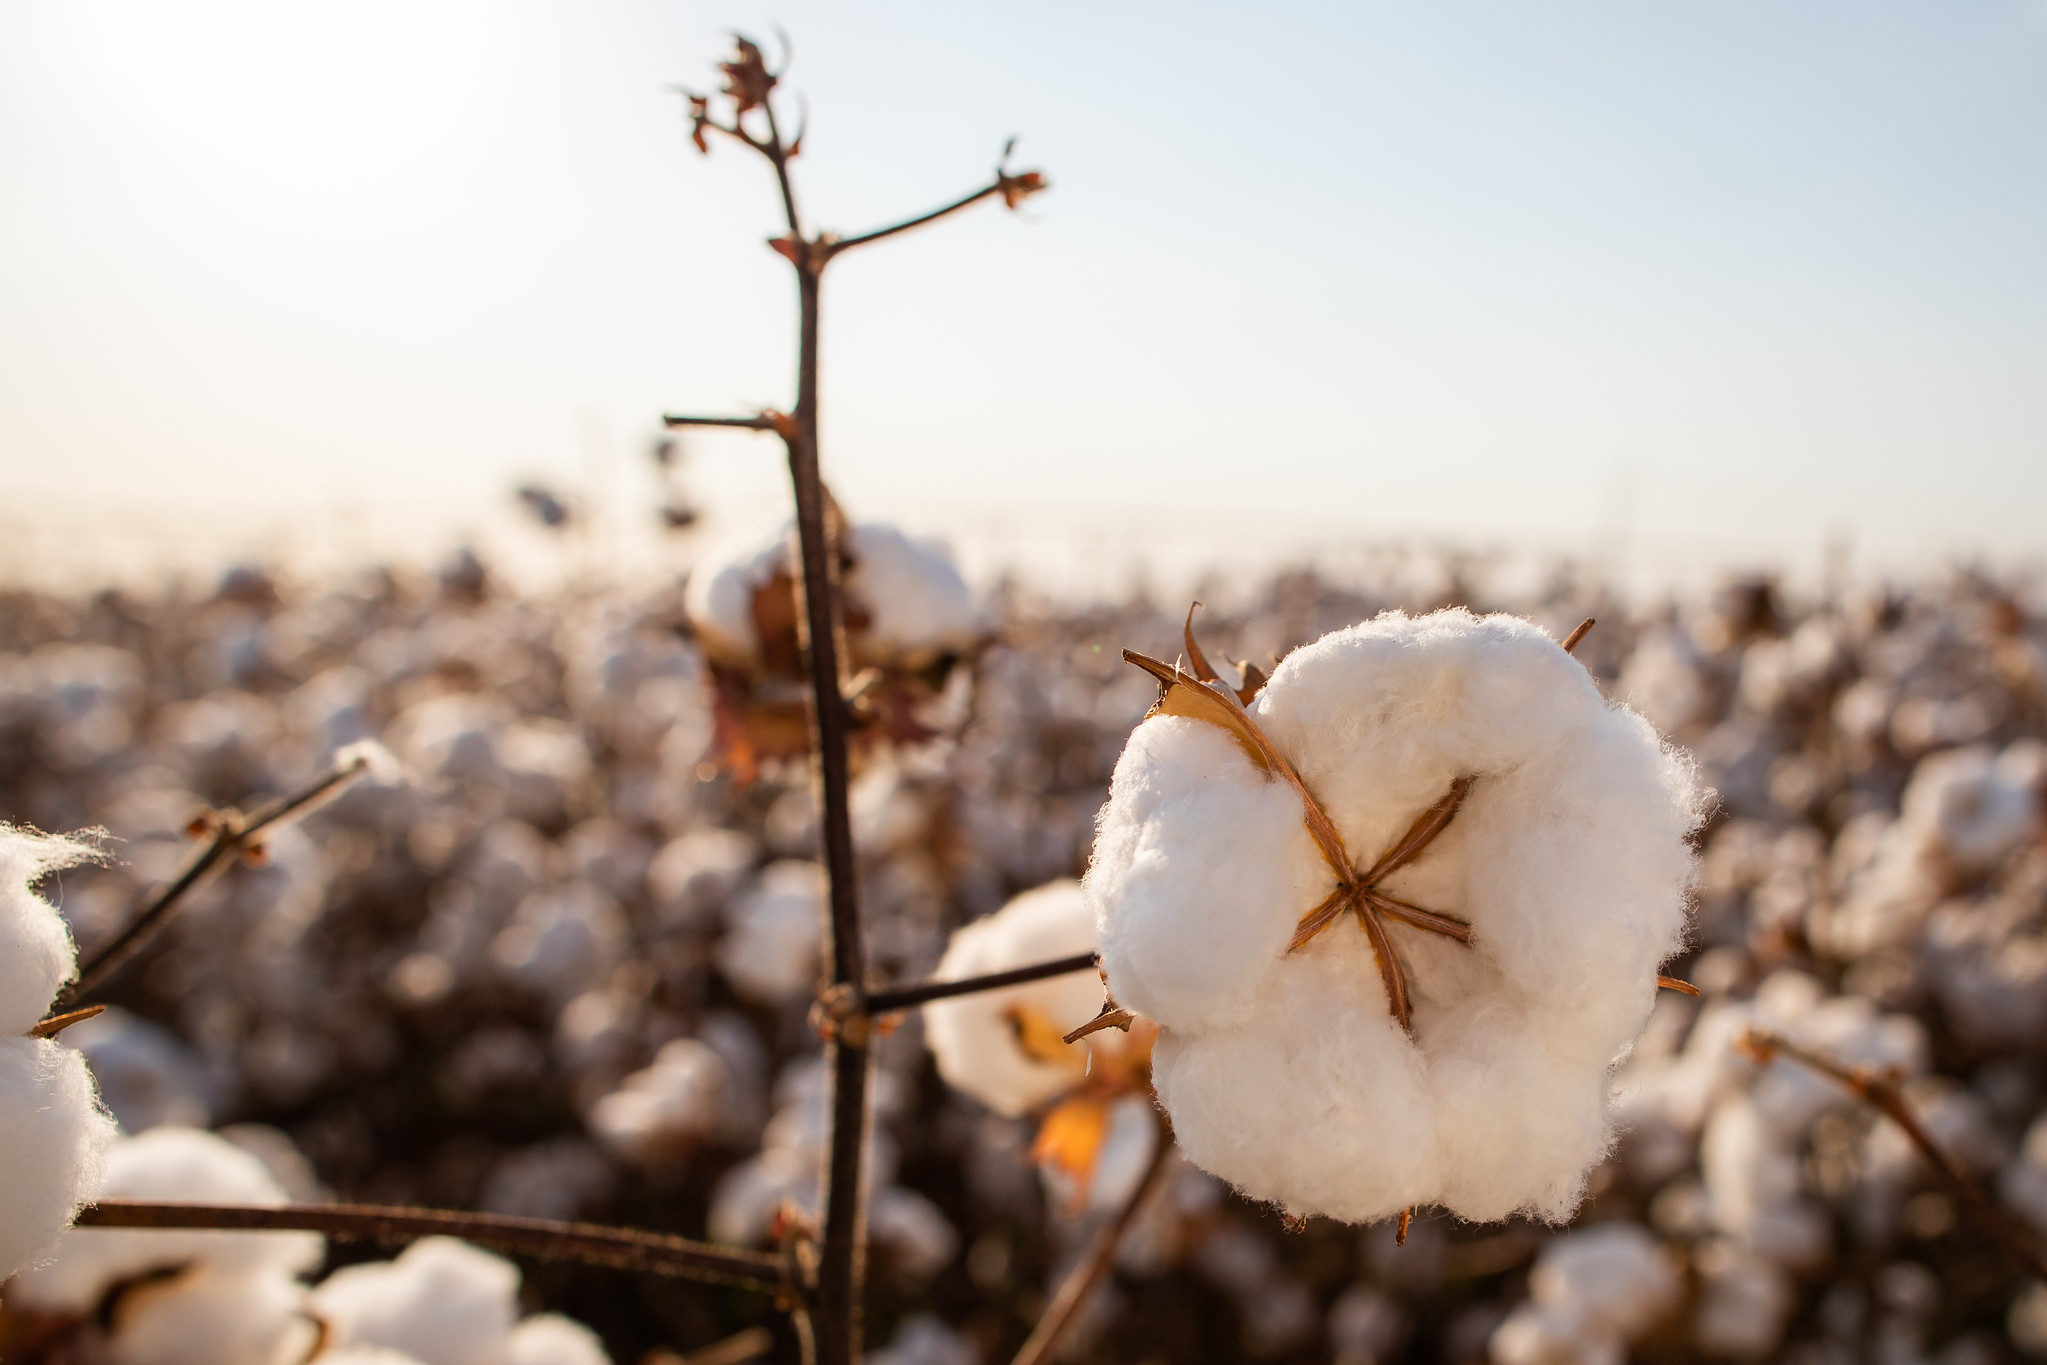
[{"x": 552, "y": 952}]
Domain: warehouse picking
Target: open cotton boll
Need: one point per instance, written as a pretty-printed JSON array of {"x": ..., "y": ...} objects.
[
  {"x": 442, "y": 1301},
  {"x": 670, "y": 1106},
  {"x": 917, "y": 604},
  {"x": 551, "y": 1339},
  {"x": 1286, "y": 1072},
  {"x": 181, "y": 1164},
  {"x": 719, "y": 598},
  {"x": 561, "y": 941},
  {"x": 772, "y": 949},
  {"x": 1003, "y": 1046},
  {"x": 1541, "y": 1333},
  {"x": 36, "y": 954},
  {"x": 53, "y": 1146},
  {"x": 379, "y": 765},
  {"x": 147, "y": 1075},
  {"x": 1615, "y": 1273},
  {"x": 208, "y": 1317},
  {"x": 1975, "y": 808}
]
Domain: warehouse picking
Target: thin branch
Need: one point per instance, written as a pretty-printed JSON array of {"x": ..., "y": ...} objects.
[
  {"x": 233, "y": 833},
  {"x": 906, "y": 997},
  {"x": 1579, "y": 632},
  {"x": 57, "y": 1023},
  {"x": 847, "y": 243},
  {"x": 1095, "y": 1263},
  {"x": 1880, "y": 1090},
  {"x": 745, "y": 423},
  {"x": 543, "y": 1239}
]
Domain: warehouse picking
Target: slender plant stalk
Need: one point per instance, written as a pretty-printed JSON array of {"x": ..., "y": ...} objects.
[
  {"x": 233, "y": 833},
  {"x": 1880, "y": 1091},
  {"x": 543, "y": 1239},
  {"x": 1095, "y": 1263},
  {"x": 907, "y": 997}
]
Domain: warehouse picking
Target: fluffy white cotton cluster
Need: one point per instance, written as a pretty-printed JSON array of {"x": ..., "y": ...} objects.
[
  {"x": 53, "y": 1131},
  {"x": 1002, "y": 1047},
  {"x": 444, "y": 1302},
  {"x": 206, "y": 1316},
  {"x": 180, "y": 1164},
  {"x": 661, "y": 1112},
  {"x": 771, "y": 951},
  {"x": 909, "y": 590},
  {"x": 1286, "y": 1073},
  {"x": 1591, "y": 1293}
]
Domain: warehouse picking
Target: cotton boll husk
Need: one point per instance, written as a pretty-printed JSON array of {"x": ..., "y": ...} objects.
[
  {"x": 1568, "y": 858},
  {"x": 181, "y": 1164},
  {"x": 1615, "y": 1272},
  {"x": 1187, "y": 809},
  {"x": 772, "y": 950},
  {"x": 53, "y": 1146},
  {"x": 208, "y": 1317},
  {"x": 442, "y": 1300},
  {"x": 974, "y": 1038},
  {"x": 551, "y": 1339},
  {"x": 719, "y": 596},
  {"x": 36, "y": 954}
]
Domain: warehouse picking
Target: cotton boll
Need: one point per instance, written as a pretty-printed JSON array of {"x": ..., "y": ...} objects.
[
  {"x": 147, "y": 1075},
  {"x": 53, "y": 1146},
  {"x": 366, "y": 1355},
  {"x": 1615, "y": 1273},
  {"x": 772, "y": 948},
  {"x": 36, "y": 954},
  {"x": 664, "y": 1110},
  {"x": 551, "y": 1339},
  {"x": 1555, "y": 1334},
  {"x": 910, "y": 1230},
  {"x": 1753, "y": 1187},
  {"x": 2023, "y": 1183},
  {"x": 917, "y": 604},
  {"x": 694, "y": 873},
  {"x": 719, "y": 597},
  {"x": 1975, "y": 810},
  {"x": 209, "y": 1317},
  {"x": 180, "y": 1164},
  {"x": 1663, "y": 680},
  {"x": 1744, "y": 1302},
  {"x": 454, "y": 737},
  {"x": 379, "y": 765},
  {"x": 562, "y": 941},
  {"x": 924, "y": 1340},
  {"x": 442, "y": 1300},
  {"x": 1284, "y": 1071},
  {"x": 1002, "y": 1046}
]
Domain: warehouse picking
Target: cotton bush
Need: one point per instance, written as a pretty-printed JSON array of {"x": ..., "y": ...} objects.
[{"x": 1286, "y": 1072}]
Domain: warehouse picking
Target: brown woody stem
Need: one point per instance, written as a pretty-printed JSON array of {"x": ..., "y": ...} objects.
[
  {"x": 907, "y": 997},
  {"x": 1094, "y": 1264},
  {"x": 1881, "y": 1092},
  {"x": 1579, "y": 632},
  {"x": 744, "y": 423},
  {"x": 57, "y": 1023},
  {"x": 847, "y": 243},
  {"x": 543, "y": 1239},
  {"x": 1671, "y": 983}
]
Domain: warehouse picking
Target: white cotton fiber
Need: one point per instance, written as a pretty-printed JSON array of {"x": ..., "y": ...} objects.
[
  {"x": 36, "y": 954},
  {"x": 1615, "y": 1273},
  {"x": 979, "y": 1040},
  {"x": 772, "y": 949},
  {"x": 206, "y": 1317},
  {"x": 551, "y": 1339},
  {"x": 442, "y": 1301},
  {"x": 53, "y": 1145},
  {"x": 181, "y": 1165},
  {"x": 657, "y": 1114},
  {"x": 1974, "y": 806},
  {"x": 1286, "y": 1073}
]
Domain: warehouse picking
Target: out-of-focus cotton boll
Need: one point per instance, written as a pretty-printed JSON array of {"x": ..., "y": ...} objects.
[
  {"x": 1592, "y": 1291},
  {"x": 608, "y": 854},
  {"x": 1366, "y": 1326},
  {"x": 366, "y": 1355},
  {"x": 924, "y": 1340},
  {"x": 379, "y": 766},
  {"x": 774, "y": 936},
  {"x": 790, "y": 1163},
  {"x": 36, "y": 954},
  {"x": 181, "y": 1164},
  {"x": 147, "y": 1075},
  {"x": 1976, "y": 808},
  {"x": 546, "y": 763},
  {"x": 1286, "y": 1072},
  {"x": 1002, "y": 1046},
  {"x": 1665, "y": 681},
  {"x": 719, "y": 598},
  {"x": 1752, "y": 1183},
  {"x": 561, "y": 1178},
  {"x": 2023, "y": 1182},
  {"x": 917, "y": 604},
  {"x": 695, "y": 872},
  {"x": 562, "y": 941},
  {"x": 663, "y": 1111},
  {"x": 551, "y": 1339},
  {"x": 910, "y": 1230},
  {"x": 1555, "y": 1334},
  {"x": 53, "y": 1145},
  {"x": 87, "y": 697},
  {"x": 1744, "y": 1302},
  {"x": 888, "y": 813},
  {"x": 453, "y": 737},
  {"x": 210, "y": 1317},
  {"x": 332, "y": 708},
  {"x": 442, "y": 1301}
]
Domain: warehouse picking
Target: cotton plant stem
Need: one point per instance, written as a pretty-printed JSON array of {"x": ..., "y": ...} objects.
[
  {"x": 1880, "y": 1091},
  {"x": 543, "y": 1239},
  {"x": 1095, "y": 1263},
  {"x": 907, "y": 997},
  {"x": 233, "y": 833}
]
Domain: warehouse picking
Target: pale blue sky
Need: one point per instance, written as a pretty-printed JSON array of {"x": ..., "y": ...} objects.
[{"x": 1729, "y": 275}]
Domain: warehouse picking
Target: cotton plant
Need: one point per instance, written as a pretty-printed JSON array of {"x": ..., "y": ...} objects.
[
  {"x": 1007, "y": 1047},
  {"x": 1396, "y": 911},
  {"x": 54, "y": 1132},
  {"x": 909, "y": 617}
]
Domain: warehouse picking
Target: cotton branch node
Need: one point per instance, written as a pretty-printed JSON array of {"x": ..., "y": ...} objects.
[{"x": 1525, "y": 872}]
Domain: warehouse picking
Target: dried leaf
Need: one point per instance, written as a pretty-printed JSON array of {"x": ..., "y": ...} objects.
[
  {"x": 1254, "y": 680},
  {"x": 1202, "y": 670},
  {"x": 1017, "y": 188},
  {"x": 1070, "y": 1138},
  {"x": 747, "y": 78},
  {"x": 1039, "y": 1039}
]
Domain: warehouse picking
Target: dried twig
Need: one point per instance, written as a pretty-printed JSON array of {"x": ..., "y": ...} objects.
[
  {"x": 543, "y": 1239},
  {"x": 1094, "y": 1263},
  {"x": 905, "y": 997},
  {"x": 1880, "y": 1089},
  {"x": 233, "y": 834},
  {"x": 57, "y": 1023}
]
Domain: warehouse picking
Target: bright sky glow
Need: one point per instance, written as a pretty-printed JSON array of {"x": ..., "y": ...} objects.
[{"x": 1734, "y": 277}]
